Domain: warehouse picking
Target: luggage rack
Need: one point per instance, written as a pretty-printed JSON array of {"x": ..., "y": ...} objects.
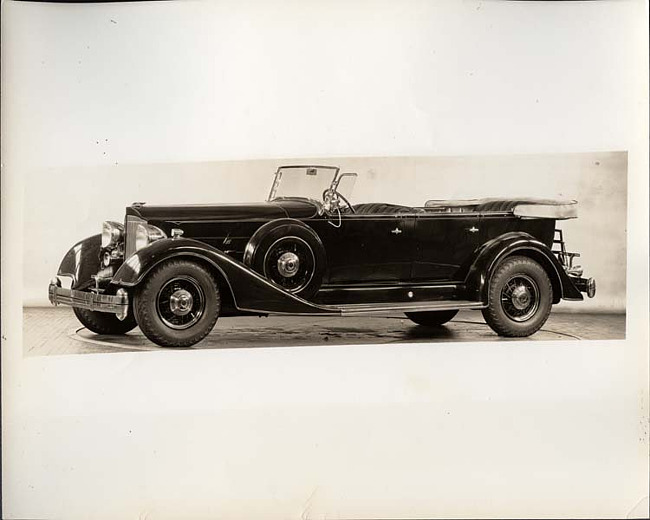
[{"x": 566, "y": 258}]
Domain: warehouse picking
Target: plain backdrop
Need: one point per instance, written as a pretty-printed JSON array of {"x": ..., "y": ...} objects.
[
  {"x": 504, "y": 429},
  {"x": 597, "y": 180}
]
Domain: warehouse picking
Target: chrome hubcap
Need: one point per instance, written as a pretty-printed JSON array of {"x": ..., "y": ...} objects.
[
  {"x": 288, "y": 264},
  {"x": 520, "y": 298},
  {"x": 180, "y": 302}
]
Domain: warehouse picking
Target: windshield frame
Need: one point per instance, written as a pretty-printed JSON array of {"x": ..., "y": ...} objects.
[{"x": 278, "y": 176}]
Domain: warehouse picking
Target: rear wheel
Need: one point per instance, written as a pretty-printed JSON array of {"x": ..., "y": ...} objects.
[
  {"x": 178, "y": 304},
  {"x": 105, "y": 322},
  {"x": 431, "y": 318},
  {"x": 520, "y": 297}
]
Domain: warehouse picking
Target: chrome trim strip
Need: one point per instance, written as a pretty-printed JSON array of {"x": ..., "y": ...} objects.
[
  {"x": 398, "y": 216},
  {"x": 378, "y": 308},
  {"x": 346, "y": 216},
  {"x": 345, "y": 288},
  {"x": 356, "y": 309},
  {"x": 225, "y": 221}
]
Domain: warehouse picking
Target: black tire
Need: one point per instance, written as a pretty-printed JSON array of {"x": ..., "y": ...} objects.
[
  {"x": 105, "y": 322},
  {"x": 520, "y": 297},
  {"x": 304, "y": 250},
  {"x": 177, "y": 304},
  {"x": 431, "y": 318}
]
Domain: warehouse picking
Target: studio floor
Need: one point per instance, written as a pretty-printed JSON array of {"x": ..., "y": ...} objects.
[{"x": 56, "y": 331}]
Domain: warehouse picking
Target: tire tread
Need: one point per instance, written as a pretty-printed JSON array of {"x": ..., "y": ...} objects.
[
  {"x": 491, "y": 314},
  {"x": 105, "y": 323},
  {"x": 146, "y": 320}
]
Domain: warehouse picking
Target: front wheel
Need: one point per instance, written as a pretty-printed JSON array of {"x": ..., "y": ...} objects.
[
  {"x": 520, "y": 297},
  {"x": 104, "y": 322},
  {"x": 178, "y": 304}
]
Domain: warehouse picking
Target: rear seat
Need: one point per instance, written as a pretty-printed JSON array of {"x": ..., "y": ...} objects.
[{"x": 381, "y": 208}]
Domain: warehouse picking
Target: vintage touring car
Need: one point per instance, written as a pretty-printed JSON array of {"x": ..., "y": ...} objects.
[{"x": 307, "y": 250}]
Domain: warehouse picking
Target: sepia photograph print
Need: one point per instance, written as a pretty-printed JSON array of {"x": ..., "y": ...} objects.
[
  {"x": 343, "y": 251},
  {"x": 308, "y": 260}
]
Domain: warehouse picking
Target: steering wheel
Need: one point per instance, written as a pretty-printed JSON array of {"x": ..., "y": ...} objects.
[
  {"x": 347, "y": 202},
  {"x": 335, "y": 196}
]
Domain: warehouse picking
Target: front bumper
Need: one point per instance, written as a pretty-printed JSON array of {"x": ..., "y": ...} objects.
[{"x": 117, "y": 304}]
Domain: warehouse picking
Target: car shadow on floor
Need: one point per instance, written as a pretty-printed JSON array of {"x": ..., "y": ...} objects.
[{"x": 56, "y": 332}]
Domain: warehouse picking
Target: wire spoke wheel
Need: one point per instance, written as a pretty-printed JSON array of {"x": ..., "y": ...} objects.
[
  {"x": 290, "y": 263},
  {"x": 288, "y": 254},
  {"x": 180, "y": 302},
  {"x": 520, "y": 297}
]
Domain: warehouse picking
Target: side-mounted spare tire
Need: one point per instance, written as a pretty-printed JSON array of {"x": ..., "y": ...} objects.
[{"x": 289, "y": 254}]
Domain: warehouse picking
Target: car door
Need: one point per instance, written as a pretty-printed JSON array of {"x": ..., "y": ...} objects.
[
  {"x": 369, "y": 248},
  {"x": 444, "y": 242}
]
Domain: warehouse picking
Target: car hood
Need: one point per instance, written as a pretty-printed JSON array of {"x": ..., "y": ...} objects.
[{"x": 294, "y": 208}]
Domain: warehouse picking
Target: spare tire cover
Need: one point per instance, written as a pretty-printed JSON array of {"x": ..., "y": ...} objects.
[{"x": 289, "y": 254}]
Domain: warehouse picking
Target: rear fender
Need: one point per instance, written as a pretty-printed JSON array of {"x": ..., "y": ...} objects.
[
  {"x": 250, "y": 291},
  {"x": 81, "y": 262},
  {"x": 493, "y": 252}
]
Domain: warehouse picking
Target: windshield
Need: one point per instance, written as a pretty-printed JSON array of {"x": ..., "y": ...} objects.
[{"x": 303, "y": 181}]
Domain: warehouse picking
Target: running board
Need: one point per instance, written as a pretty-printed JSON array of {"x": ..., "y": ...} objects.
[{"x": 374, "y": 308}]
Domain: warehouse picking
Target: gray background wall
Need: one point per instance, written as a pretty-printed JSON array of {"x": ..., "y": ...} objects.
[{"x": 94, "y": 194}]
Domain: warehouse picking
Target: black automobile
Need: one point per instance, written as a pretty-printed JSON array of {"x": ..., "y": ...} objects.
[{"x": 308, "y": 250}]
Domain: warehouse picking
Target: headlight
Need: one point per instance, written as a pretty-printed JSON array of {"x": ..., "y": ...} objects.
[
  {"x": 145, "y": 234},
  {"x": 112, "y": 233}
]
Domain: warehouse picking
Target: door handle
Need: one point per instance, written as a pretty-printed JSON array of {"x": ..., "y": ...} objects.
[
  {"x": 396, "y": 231},
  {"x": 473, "y": 229}
]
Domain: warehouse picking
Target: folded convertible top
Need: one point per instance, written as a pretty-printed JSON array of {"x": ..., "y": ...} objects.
[{"x": 524, "y": 207}]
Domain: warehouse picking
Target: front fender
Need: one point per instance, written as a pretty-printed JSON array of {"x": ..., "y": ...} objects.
[
  {"x": 81, "y": 262},
  {"x": 250, "y": 291},
  {"x": 494, "y": 251}
]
